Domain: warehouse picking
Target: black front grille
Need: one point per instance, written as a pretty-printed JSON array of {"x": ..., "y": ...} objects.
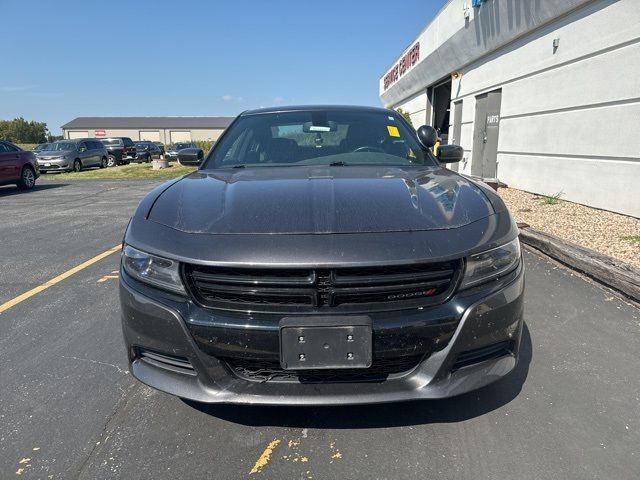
[
  {"x": 270, "y": 371},
  {"x": 322, "y": 290}
]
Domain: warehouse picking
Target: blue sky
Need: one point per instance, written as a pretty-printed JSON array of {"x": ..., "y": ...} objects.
[{"x": 74, "y": 58}]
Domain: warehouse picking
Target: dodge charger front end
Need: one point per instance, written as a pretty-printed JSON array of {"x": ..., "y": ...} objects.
[{"x": 321, "y": 256}]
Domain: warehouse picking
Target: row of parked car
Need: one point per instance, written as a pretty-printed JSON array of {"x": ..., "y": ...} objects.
[
  {"x": 22, "y": 168},
  {"x": 74, "y": 155}
]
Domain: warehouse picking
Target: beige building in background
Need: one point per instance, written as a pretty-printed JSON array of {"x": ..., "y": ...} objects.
[{"x": 167, "y": 130}]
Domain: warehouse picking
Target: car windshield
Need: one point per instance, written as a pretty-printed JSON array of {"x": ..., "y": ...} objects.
[
  {"x": 60, "y": 146},
  {"x": 42, "y": 146},
  {"x": 182, "y": 146},
  {"x": 318, "y": 137},
  {"x": 142, "y": 145},
  {"x": 113, "y": 141}
]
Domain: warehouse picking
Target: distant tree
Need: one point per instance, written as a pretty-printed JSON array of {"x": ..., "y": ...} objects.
[
  {"x": 406, "y": 115},
  {"x": 19, "y": 130}
]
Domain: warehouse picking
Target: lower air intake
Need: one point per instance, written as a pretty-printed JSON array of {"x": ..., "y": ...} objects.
[
  {"x": 270, "y": 371},
  {"x": 483, "y": 354},
  {"x": 166, "y": 362}
]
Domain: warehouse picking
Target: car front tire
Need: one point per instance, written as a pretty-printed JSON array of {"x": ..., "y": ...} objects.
[
  {"x": 104, "y": 163},
  {"x": 112, "y": 161},
  {"x": 27, "y": 179},
  {"x": 77, "y": 166}
]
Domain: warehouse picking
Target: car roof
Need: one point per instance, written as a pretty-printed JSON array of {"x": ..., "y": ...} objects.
[
  {"x": 76, "y": 140},
  {"x": 305, "y": 108}
]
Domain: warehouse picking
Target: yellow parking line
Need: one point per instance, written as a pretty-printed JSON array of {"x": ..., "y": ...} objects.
[
  {"x": 34, "y": 291},
  {"x": 265, "y": 457}
]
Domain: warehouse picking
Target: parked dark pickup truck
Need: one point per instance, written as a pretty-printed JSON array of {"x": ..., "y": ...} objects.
[{"x": 120, "y": 150}]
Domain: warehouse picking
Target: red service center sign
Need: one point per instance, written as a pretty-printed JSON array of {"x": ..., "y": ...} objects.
[
  {"x": 100, "y": 133},
  {"x": 404, "y": 64}
]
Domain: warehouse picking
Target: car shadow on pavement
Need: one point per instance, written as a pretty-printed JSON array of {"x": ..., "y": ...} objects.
[
  {"x": 457, "y": 409},
  {"x": 8, "y": 191}
]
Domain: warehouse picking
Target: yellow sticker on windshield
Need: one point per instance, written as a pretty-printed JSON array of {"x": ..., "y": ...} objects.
[{"x": 393, "y": 131}]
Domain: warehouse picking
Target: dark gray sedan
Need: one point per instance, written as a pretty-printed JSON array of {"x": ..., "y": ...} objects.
[
  {"x": 147, "y": 151},
  {"x": 174, "y": 149},
  {"x": 322, "y": 256}
]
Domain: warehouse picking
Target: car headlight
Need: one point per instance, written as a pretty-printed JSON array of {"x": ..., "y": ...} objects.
[
  {"x": 158, "y": 271},
  {"x": 490, "y": 264}
]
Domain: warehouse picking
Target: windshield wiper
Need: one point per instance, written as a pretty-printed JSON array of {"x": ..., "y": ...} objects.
[{"x": 338, "y": 164}]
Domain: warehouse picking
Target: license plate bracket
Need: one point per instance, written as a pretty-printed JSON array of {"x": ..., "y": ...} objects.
[{"x": 317, "y": 343}]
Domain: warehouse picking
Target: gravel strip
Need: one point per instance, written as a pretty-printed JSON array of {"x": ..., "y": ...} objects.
[{"x": 599, "y": 230}]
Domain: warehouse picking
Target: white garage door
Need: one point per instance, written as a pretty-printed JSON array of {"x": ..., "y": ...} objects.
[
  {"x": 78, "y": 134},
  {"x": 180, "y": 136},
  {"x": 151, "y": 135}
]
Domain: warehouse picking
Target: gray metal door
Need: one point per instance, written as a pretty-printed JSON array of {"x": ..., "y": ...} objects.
[
  {"x": 486, "y": 131},
  {"x": 457, "y": 129}
]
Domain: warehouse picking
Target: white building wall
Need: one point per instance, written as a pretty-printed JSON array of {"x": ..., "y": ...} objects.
[
  {"x": 416, "y": 105},
  {"x": 452, "y": 40},
  {"x": 569, "y": 120},
  {"x": 206, "y": 134}
]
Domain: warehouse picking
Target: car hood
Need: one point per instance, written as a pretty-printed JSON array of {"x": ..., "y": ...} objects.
[
  {"x": 320, "y": 200},
  {"x": 53, "y": 153}
]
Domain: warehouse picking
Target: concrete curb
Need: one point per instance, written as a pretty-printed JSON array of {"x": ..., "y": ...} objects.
[{"x": 607, "y": 270}]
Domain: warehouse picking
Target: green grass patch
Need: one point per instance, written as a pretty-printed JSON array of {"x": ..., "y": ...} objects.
[
  {"x": 631, "y": 238},
  {"x": 27, "y": 146},
  {"x": 132, "y": 171},
  {"x": 553, "y": 199}
]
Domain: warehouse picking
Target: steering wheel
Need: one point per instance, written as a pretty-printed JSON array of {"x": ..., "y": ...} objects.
[{"x": 368, "y": 148}]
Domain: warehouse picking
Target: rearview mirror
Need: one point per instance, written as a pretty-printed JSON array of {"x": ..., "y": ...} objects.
[
  {"x": 427, "y": 136},
  {"x": 330, "y": 126},
  {"x": 450, "y": 153},
  {"x": 190, "y": 156}
]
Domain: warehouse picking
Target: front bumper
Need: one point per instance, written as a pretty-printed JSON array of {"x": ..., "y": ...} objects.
[
  {"x": 487, "y": 315},
  {"x": 54, "y": 165}
]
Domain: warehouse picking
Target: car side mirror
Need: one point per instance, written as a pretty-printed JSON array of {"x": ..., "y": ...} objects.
[
  {"x": 190, "y": 156},
  {"x": 450, "y": 153},
  {"x": 427, "y": 136}
]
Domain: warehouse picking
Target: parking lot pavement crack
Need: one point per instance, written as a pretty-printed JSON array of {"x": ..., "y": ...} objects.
[
  {"x": 127, "y": 394},
  {"x": 97, "y": 362}
]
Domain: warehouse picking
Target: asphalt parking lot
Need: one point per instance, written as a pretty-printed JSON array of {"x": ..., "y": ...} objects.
[{"x": 70, "y": 409}]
